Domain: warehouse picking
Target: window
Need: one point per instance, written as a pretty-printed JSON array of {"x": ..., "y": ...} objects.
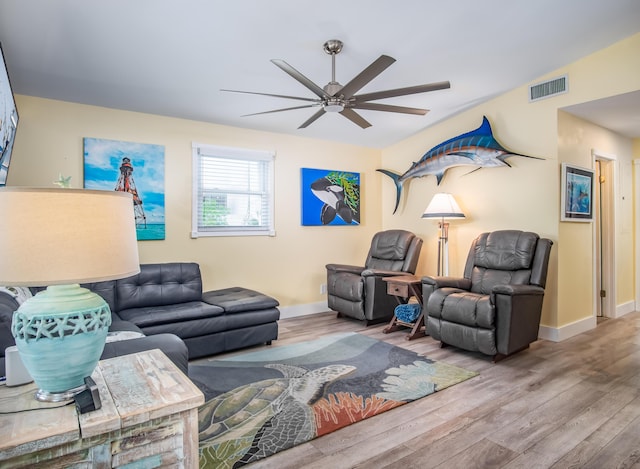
[{"x": 232, "y": 192}]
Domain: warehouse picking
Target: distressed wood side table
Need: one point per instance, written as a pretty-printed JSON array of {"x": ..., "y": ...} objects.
[
  {"x": 149, "y": 417},
  {"x": 403, "y": 287}
]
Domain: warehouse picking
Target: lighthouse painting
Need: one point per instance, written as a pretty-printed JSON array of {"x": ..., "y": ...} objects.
[{"x": 136, "y": 168}]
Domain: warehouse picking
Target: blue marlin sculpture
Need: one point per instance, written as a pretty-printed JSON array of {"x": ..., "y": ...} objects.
[{"x": 475, "y": 148}]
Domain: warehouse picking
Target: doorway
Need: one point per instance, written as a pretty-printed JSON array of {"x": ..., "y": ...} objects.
[{"x": 604, "y": 235}]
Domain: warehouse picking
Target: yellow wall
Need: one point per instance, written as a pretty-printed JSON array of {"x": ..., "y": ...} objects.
[
  {"x": 526, "y": 195},
  {"x": 289, "y": 266},
  {"x": 577, "y": 139}
]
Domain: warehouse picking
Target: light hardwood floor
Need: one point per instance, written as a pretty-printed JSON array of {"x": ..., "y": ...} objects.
[{"x": 570, "y": 404}]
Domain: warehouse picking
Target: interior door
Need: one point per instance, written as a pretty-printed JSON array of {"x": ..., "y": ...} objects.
[{"x": 604, "y": 237}]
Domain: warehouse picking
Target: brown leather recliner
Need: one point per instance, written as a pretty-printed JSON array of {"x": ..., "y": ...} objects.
[
  {"x": 495, "y": 308},
  {"x": 360, "y": 292}
]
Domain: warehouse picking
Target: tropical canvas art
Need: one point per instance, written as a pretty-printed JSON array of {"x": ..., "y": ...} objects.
[
  {"x": 577, "y": 193},
  {"x": 330, "y": 197},
  {"x": 137, "y": 168}
]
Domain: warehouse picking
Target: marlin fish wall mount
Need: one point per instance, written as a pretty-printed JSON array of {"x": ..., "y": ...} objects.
[{"x": 475, "y": 148}]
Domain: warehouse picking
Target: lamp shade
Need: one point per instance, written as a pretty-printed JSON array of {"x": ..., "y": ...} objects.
[
  {"x": 66, "y": 236},
  {"x": 443, "y": 205},
  {"x": 60, "y": 238}
]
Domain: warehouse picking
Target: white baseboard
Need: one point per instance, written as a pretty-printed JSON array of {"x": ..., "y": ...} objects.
[
  {"x": 303, "y": 310},
  {"x": 558, "y": 334},
  {"x": 625, "y": 308}
]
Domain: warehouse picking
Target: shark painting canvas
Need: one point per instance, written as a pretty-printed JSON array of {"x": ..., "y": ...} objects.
[
  {"x": 476, "y": 148},
  {"x": 330, "y": 197}
]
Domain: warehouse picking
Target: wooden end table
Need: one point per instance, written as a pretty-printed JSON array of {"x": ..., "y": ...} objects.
[
  {"x": 403, "y": 287},
  {"x": 149, "y": 416}
]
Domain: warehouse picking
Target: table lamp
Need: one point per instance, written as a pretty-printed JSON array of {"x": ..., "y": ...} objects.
[
  {"x": 60, "y": 238},
  {"x": 443, "y": 206}
]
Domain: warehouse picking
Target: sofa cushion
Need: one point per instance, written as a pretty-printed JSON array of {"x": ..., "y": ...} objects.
[
  {"x": 160, "y": 285},
  {"x": 238, "y": 300},
  {"x": 118, "y": 325},
  {"x": 217, "y": 324},
  {"x": 169, "y": 314}
]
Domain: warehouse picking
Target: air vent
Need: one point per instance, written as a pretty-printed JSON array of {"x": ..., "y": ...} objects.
[{"x": 549, "y": 88}]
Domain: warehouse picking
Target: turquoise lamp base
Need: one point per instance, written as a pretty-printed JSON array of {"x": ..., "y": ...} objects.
[{"x": 60, "y": 334}]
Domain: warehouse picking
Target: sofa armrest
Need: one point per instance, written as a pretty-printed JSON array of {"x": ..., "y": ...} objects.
[
  {"x": 171, "y": 345},
  {"x": 8, "y": 305}
]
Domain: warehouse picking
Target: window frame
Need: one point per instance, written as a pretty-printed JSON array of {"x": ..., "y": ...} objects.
[{"x": 200, "y": 150}]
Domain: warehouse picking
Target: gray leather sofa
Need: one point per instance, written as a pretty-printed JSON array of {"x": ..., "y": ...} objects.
[
  {"x": 495, "y": 307},
  {"x": 165, "y": 302},
  {"x": 170, "y": 344}
]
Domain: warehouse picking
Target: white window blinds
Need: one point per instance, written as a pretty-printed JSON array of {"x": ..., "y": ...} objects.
[{"x": 232, "y": 192}]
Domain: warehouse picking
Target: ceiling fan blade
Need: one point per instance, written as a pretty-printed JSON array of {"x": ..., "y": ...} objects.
[
  {"x": 368, "y": 74},
  {"x": 274, "y": 95},
  {"x": 280, "y": 110},
  {"x": 312, "y": 119},
  {"x": 300, "y": 77},
  {"x": 355, "y": 117},
  {"x": 441, "y": 85},
  {"x": 390, "y": 108}
]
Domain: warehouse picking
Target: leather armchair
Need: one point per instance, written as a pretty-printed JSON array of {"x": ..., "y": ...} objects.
[
  {"x": 495, "y": 308},
  {"x": 359, "y": 291}
]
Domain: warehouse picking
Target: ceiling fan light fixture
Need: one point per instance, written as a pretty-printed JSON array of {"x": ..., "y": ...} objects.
[{"x": 333, "y": 105}]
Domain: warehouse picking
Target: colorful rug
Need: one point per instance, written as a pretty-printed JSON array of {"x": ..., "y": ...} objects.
[{"x": 263, "y": 402}]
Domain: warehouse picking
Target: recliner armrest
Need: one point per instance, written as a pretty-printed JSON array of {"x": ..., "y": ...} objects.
[
  {"x": 447, "y": 282},
  {"x": 518, "y": 312},
  {"x": 354, "y": 269},
  {"x": 382, "y": 273},
  {"x": 513, "y": 290}
]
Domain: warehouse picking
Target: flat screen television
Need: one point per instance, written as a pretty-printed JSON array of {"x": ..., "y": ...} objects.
[{"x": 8, "y": 120}]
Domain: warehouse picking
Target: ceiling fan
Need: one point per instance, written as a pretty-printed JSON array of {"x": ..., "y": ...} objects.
[{"x": 334, "y": 97}]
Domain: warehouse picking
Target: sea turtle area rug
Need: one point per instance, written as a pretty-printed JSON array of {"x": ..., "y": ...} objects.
[{"x": 259, "y": 403}]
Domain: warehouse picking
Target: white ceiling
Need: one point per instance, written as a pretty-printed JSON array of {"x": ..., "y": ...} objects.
[{"x": 171, "y": 57}]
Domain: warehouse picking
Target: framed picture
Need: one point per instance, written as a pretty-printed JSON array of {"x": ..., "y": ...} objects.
[
  {"x": 8, "y": 121},
  {"x": 330, "y": 197},
  {"x": 576, "y": 194},
  {"x": 137, "y": 168}
]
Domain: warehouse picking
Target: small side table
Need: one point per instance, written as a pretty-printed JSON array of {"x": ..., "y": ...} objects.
[
  {"x": 149, "y": 417},
  {"x": 403, "y": 287}
]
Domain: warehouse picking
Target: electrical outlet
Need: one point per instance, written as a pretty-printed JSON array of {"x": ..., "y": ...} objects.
[{"x": 323, "y": 289}]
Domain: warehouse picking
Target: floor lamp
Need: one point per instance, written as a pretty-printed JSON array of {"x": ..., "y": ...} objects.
[{"x": 443, "y": 206}]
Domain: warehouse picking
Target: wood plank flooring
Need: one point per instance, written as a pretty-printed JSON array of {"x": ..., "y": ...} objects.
[{"x": 573, "y": 404}]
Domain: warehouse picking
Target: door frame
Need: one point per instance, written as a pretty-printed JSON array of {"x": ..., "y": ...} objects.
[
  {"x": 608, "y": 243},
  {"x": 636, "y": 199}
]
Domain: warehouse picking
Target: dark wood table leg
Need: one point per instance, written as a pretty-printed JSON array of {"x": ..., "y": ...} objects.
[{"x": 417, "y": 328}]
